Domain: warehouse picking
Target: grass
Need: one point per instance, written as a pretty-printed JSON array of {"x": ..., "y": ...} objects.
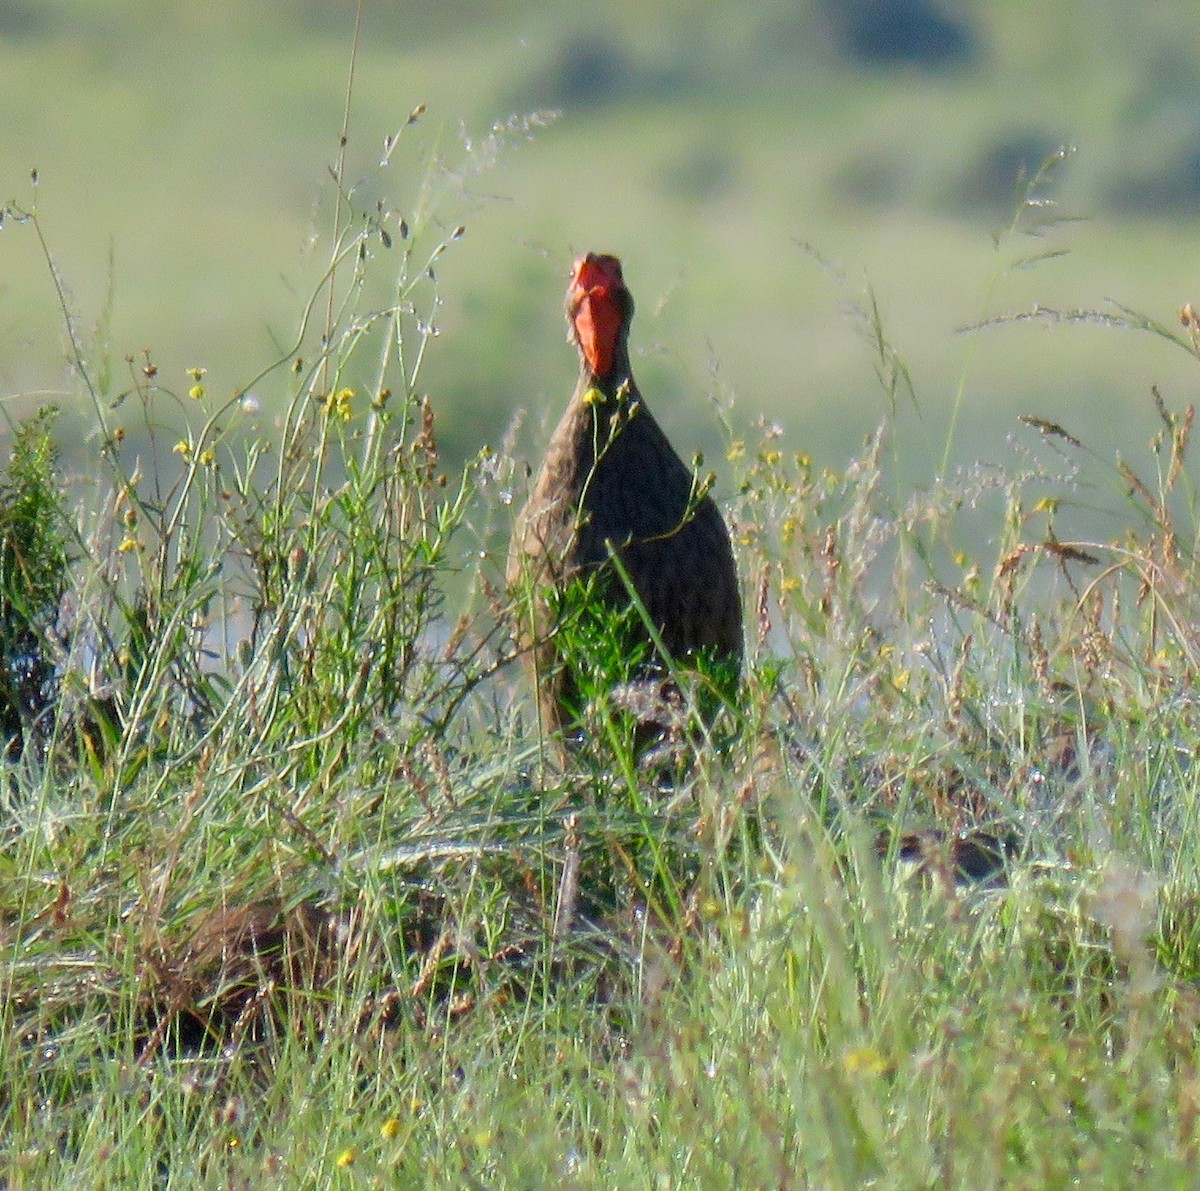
[{"x": 293, "y": 894}]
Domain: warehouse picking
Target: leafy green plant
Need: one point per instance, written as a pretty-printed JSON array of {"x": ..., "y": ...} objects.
[{"x": 34, "y": 563}]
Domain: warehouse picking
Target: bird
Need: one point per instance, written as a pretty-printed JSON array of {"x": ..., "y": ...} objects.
[{"x": 611, "y": 486}]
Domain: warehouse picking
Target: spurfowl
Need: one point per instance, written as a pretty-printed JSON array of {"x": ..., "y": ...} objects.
[{"x": 611, "y": 485}]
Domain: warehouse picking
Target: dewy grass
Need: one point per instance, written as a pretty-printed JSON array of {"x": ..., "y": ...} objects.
[{"x": 299, "y": 904}]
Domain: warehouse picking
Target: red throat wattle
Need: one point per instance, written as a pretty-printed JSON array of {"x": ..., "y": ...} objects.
[{"x": 597, "y": 310}]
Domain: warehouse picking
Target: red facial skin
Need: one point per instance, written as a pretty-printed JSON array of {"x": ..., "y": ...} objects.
[{"x": 597, "y": 310}]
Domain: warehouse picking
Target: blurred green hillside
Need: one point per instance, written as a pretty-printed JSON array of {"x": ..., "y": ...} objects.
[{"x": 704, "y": 143}]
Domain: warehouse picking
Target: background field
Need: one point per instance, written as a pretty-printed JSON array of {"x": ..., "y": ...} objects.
[{"x": 188, "y": 145}]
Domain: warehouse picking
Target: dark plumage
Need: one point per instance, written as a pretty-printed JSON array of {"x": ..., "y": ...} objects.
[{"x": 610, "y": 476}]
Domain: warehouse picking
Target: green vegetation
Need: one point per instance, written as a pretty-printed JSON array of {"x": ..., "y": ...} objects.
[
  {"x": 33, "y": 577},
  {"x": 308, "y": 903}
]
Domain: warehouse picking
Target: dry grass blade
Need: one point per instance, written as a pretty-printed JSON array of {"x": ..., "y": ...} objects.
[{"x": 1050, "y": 429}]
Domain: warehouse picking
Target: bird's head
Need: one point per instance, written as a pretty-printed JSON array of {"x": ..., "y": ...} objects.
[{"x": 599, "y": 309}]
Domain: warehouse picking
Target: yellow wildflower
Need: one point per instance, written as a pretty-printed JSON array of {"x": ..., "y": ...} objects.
[
  {"x": 337, "y": 405},
  {"x": 389, "y": 1129},
  {"x": 197, "y": 389},
  {"x": 183, "y": 447},
  {"x": 865, "y": 1059},
  {"x": 345, "y": 1158}
]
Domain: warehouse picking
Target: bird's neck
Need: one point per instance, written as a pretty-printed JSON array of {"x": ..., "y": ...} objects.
[{"x": 615, "y": 384}]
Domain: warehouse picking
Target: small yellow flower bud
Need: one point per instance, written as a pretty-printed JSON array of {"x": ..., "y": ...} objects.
[{"x": 337, "y": 405}]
